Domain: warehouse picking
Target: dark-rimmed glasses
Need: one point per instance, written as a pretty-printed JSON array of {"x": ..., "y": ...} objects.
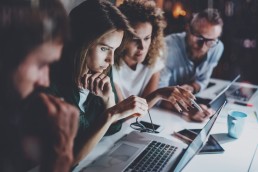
[
  {"x": 140, "y": 127},
  {"x": 200, "y": 40}
]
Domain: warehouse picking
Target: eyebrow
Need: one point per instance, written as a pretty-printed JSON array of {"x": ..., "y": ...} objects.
[
  {"x": 144, "y": 37},
  {"x": 103, "y": 44}
]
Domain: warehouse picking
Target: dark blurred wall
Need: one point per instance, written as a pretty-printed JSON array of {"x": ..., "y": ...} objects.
[{"x": 240, "y": 33}]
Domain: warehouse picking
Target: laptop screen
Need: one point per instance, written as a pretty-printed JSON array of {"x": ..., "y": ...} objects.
[
  {"x": 219, "y": 99},
  {"x": 198, "y": 142}
]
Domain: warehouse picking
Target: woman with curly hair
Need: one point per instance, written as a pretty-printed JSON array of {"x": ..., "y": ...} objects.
[{"x": 138, "y": 64}]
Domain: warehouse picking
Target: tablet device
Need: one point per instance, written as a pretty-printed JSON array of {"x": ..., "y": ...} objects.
[{"x": 211, "y": 146}]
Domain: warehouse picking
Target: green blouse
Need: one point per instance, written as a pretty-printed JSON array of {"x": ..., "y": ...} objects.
[{"x": 93, "y": 109}]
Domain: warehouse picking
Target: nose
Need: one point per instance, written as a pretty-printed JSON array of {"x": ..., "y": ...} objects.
[
  {"x": 43, "y": 77},
  {"x": 110, "y": 57},
  {"x": 140, "y": 45}
]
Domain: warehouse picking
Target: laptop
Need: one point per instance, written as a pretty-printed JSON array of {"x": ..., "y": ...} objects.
[
  {"x": 146, "y": 152},
  {"x": 219, "y": 99}
]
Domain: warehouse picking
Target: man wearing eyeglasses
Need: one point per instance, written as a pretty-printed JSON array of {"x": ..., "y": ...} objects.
[{"x": 193, "y": 54}]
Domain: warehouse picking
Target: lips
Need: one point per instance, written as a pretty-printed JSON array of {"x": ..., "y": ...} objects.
[{"x": 139, "y": 54}]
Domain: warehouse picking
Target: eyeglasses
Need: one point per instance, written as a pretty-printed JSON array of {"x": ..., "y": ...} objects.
[
  {"x": 200, "y": 40},
  {"x": 140, "y": 127}
]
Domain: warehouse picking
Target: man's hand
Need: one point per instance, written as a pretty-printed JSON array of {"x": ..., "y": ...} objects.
[{"x": 55, "y": 123}]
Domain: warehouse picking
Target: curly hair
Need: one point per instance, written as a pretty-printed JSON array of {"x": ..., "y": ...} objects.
[{"x": 146, "y": 11}]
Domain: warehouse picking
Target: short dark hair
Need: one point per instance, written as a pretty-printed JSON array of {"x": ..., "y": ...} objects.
[
  {"x": 210, "y": 14},
  {"x": 25, "y": 25}
]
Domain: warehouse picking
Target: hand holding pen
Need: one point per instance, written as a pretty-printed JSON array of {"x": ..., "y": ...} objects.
[
  {"x": 196, "y": 105},
  {"x": 199, "y": 113}
]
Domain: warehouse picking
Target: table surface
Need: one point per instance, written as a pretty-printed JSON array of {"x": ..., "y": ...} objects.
[{"x": 239, "y": 154}]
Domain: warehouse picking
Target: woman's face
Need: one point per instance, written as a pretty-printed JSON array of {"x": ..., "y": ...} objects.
[
  {"x": 101, "y": 55},
  {"x": 138, "y": 47}
]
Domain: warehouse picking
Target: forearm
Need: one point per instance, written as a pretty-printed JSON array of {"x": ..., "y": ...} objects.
[
  {"x": 95, "y": 135},
  {"x": 153, "y": 98},
  {"x": 109, "y": 101},
  {"x": 60, "y": 159}
]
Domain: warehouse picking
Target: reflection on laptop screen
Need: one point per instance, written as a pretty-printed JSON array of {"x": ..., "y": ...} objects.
[{"x": 198, "y": 142}]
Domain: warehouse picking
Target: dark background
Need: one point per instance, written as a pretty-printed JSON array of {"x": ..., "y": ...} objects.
[{"x": 239, "y": 35}]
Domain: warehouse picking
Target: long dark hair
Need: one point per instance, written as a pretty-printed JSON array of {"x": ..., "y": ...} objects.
[{"x": 89, "y": 21}]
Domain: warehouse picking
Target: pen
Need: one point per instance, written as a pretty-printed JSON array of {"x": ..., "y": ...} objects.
[
  {"x": 196, "y": 105},
  {"x": 243, "y": 104}
]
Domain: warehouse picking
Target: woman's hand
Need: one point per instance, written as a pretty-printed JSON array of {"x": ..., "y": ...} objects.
[
  {"x": 177, "y": 96},
  {"x": 100, "y": 85},
  {"x": 198, "y": 116},
  {"x": 133, "y": 105}
]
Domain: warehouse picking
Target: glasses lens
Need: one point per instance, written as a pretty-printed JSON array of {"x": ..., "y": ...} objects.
[
  {"x": 211, "y": 43},
  {"x": 200, "y": 42}
]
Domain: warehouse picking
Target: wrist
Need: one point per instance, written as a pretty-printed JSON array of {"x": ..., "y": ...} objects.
[
  {"x": 109, "y": 101},
  {"x": 111, "y": 115},
  {"x": 60, "y": 159}
]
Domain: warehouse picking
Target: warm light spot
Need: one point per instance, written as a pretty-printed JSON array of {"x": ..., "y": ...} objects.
[
  {"x": 178, "y": 11},
  {"x": 119, "y": 2}
]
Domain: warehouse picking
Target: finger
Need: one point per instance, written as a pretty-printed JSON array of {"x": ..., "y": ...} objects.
[
  {"x": 92, "y": 82},
  {"x": 134, "y": 98},
  {"x": 96, "y": 85},
  {"x": 141, "y": 100},
  {"x": 178, "y": 108},
  {"x": 182, "y": 103},
  {"x": 173, "y": 101},
  {"x": 186, "y": 93},
  {"x": 60, "y": 105},
  {"x": 180, "y": 96},
  {"x": 49, "y": 105},
  {"x": 104, "y": 82}
]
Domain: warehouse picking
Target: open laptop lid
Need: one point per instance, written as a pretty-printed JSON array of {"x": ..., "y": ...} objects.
[
  {"x": 198, "y": 142},
  {"x": 219, "y": 99}
]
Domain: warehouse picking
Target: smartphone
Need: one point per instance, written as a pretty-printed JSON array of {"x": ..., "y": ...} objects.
[
  {"x": 149, "y": 125},
  {"x": 188, "y": 133}
]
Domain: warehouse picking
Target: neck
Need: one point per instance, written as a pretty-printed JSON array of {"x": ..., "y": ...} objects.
[{"x": 131, "y": 63}]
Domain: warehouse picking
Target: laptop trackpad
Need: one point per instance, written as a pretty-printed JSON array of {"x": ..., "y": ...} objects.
[
  {"x": 123, "y": 153},
  {"x": 115, "y": 161}
]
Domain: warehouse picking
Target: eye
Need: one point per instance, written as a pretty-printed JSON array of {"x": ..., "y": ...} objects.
[
  {"x": 104, "y": 49},
  {"x": 42, "y": 65},
  {"x": 147, "y": 38}
]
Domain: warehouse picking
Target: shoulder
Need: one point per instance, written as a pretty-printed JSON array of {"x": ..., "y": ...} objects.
[
  {"x": 159, "y": 65},
  {"x": 175, "y": 38}
]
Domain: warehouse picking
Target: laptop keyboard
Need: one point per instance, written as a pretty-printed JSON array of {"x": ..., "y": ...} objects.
[{"x": 153, "y": 158}]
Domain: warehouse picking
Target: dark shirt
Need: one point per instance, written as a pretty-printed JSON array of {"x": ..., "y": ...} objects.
[{"x": 93, "y": 109}]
